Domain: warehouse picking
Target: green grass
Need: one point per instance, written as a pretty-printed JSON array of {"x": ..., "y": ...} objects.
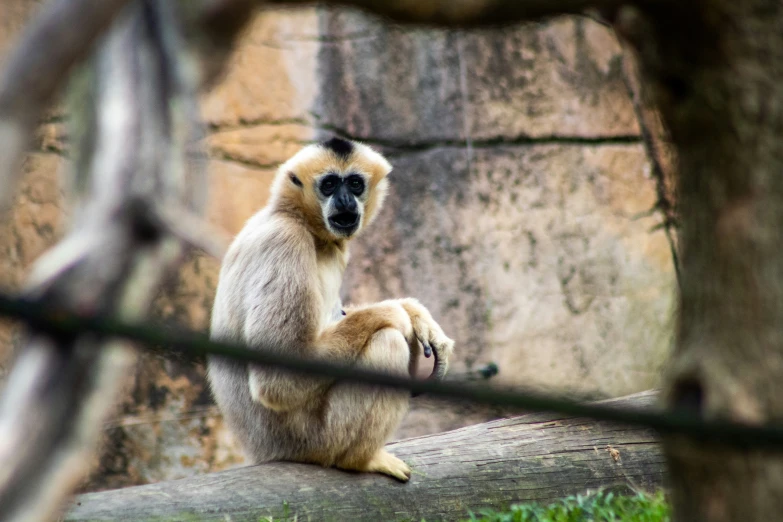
[{"x": 600, "y": 506}]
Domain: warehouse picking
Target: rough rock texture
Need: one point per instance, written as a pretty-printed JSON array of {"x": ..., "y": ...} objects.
[
  {"x": 522, "y": 203},
  {"x": 537, "y": 257},
  {"x": 415, "y": 87},
  {"x": 523, "y": 210}
]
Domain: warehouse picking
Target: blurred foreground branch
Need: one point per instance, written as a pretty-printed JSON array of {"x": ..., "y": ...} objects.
[
  {"x": 60, "y": 37},
  {"x": 137, "y": 154},
  {"x": 65, "y": 33}
]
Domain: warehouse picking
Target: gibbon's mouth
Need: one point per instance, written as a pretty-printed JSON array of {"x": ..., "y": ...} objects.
[{"x": 344, "y": 221}]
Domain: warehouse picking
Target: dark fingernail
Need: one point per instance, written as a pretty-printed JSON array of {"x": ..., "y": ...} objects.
[{"x": 427, "y": 351}]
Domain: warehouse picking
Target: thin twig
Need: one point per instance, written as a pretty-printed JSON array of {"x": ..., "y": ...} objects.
[{"x": 663, "y": 203}]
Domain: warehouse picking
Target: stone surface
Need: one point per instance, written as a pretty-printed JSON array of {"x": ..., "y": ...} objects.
[
  {"x": 236, "y": 191},
  {"x": 406, "y": 86},
  {"x": 521, "y": 211},
  {"x": 262, "y": 146},
  {"x": 540, "y": 258},
  {"x": 272, "y": 75}
]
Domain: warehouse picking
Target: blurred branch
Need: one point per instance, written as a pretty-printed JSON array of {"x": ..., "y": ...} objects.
[
  {"x": 60, "y": 36},
  {"x": 140, "y": 168},
  {"x": 193, "y": 230}
]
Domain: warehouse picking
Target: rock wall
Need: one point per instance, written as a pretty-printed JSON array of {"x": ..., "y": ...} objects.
[
  {"x": 522, "y": 206},
  {"x": 522, "y": 211}
]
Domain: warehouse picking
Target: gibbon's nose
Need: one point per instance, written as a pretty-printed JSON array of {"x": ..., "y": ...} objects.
[{"x": 344, "y": 200}]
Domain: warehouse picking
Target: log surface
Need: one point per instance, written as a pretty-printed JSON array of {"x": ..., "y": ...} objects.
[{"x": 535, "y": 457}]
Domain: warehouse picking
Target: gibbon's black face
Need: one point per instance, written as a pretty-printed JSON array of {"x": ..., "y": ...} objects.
[{"x": 343, "y": 201}]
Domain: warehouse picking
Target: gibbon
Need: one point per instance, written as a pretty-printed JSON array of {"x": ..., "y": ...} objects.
[{"x": 279, "y": 288}]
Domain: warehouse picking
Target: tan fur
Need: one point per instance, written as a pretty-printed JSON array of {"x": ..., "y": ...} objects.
[{"x": 279, "y": 288}]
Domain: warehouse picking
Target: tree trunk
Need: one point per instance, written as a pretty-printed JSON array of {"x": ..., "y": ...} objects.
[
  {"x": 539, "y": 457},
  {"x": 715, "y": 69}
]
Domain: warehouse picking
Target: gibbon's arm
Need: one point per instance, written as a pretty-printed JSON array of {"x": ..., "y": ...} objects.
[
  {"x": 343, "y": 341},
  {"x": 282, "y": 308},
  {"x": 346, "y": 339}
]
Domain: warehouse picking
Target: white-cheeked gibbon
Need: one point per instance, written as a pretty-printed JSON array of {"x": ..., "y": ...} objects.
[{"x": 279, "y": 288}]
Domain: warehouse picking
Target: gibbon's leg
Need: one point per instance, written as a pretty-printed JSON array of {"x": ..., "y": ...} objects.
[{"x": 360, "y": 418}]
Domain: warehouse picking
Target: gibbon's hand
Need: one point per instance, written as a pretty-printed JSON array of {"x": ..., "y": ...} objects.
[{"x": 430, "y": 335}]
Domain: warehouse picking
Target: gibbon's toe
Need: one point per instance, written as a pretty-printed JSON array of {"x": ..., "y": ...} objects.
[{"x": 388, "y": 464}]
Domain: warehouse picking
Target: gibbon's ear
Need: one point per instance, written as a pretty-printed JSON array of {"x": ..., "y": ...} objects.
[{"x": 296, "y": 181}]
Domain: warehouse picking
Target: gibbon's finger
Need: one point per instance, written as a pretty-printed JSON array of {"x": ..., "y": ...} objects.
[{"x": 426, "y": 346}]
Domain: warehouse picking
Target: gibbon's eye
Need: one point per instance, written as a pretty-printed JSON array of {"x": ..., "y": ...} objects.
[
  {"x": 328, "y": 185},
  {"x": 356, "y": 184}
]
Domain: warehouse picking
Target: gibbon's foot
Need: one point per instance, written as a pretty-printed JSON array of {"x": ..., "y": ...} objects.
[{"x": 386, "y": 463}]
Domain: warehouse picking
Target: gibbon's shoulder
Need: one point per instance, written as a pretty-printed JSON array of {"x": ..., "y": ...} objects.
[{"x": 266, "y": 235}]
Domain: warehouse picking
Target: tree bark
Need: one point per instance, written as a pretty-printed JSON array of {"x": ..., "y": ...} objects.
[
  {"x": 715, "y": 69},
  {"x": 538, "y": 457}
]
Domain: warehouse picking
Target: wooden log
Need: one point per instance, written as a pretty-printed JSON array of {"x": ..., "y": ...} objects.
[{"x": 536, "y": 457}]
